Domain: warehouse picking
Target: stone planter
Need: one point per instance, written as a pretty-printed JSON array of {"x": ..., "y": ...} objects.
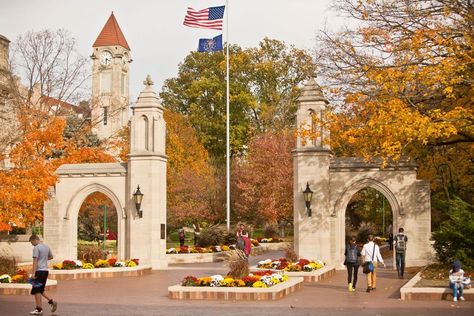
[
  {"x": 23, "y": 288},
  {"x": 97, "y": 273},
  {"x": 275, "y": 292},
  {"x": 309, "y": 277},
  {"x": 410, "y": 292}
]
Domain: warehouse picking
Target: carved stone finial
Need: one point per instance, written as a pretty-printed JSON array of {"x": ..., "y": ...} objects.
[{"x": 148, "y": 81}]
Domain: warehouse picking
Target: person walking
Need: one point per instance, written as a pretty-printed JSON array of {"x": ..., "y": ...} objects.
[
  {"x": 41, "y": 254},
  {"x": 400, "y": 243},
  {"x": 456, "y": 278},
  {"x": 352, "y": 254},
  {"x": 371, "y": 253},
  {"x": 181, "y": 236},
  {"x": 243, "y": 240},
  {"x": 390, "y": 236}
]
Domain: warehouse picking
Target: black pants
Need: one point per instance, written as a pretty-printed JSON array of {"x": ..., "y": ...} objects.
[
  {"x": 352, "y": 270},
  {"x": 400, "y": 263}
]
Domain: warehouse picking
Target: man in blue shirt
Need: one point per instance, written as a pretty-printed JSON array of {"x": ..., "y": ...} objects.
[{"x": 41, "y": 255}]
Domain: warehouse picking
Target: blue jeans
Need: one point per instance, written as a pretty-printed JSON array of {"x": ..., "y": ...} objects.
[
  {"x": 400, "y": 263},
  {"x": 456, "y": 289}
]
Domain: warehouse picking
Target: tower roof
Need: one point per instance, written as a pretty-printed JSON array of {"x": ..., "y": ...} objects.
[{"x": 111, "y": 35}]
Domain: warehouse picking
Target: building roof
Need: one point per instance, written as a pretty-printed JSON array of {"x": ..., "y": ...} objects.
[
  {"x": 62, "y": 107},
  {"x": 111, "y": 35}
]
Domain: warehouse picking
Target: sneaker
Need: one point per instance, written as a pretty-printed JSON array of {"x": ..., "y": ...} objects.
[
  {"x": 36, "y": 312},
  {"x": 350, "y": 287},
  {"x": 368, "y": 290},
  {"x": 54, "y": 306},
  {"x": 353, "y": 289},
  {"x": 461, "y": 298},
  {"x": 455, "y": 299}
]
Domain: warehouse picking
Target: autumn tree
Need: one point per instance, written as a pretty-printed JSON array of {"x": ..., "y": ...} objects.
[
  {"x": 263, "y": 180},
  {"x": 263, "y": 90},
  {"x": 41, "y": 150},
  {"x": 193, "y": 186},
  {"x": 403, "y": 73}
]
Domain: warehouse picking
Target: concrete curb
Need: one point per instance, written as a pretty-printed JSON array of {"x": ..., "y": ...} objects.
[
  {"x": 23, "y": 288},
  {"x": 410, "y": 292}
]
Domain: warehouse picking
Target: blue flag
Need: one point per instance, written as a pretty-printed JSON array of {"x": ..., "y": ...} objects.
[{"x": 210, "y": 44}]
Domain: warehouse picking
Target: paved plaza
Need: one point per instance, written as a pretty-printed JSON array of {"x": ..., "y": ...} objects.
[{"x": 147, "y": 295}]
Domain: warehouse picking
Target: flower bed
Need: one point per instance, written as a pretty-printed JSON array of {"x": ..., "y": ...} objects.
[
  {"x": 78, "y": 264},
  {"x": 264, "y": 240},
  {"x": 302, "y": 265},
  {"x": 21, "y": 276},
  {"x": 211, "y": 249},
  {"x": 260, "y": 279}
]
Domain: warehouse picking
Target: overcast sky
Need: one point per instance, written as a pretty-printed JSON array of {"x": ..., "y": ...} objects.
[{"x": 154, "y": 28}]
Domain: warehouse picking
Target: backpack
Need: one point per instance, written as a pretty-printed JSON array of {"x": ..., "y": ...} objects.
[
  {"x": 400, "y": 245},
  {"x": 351, "y": 256}
]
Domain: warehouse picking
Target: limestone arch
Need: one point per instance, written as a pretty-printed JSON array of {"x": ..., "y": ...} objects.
[
  {"x": 72, "y": 214},
  {"x": 340, "y": 207}
]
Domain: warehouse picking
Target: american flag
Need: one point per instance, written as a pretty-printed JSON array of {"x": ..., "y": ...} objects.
[{"x": 209, "y": 18}]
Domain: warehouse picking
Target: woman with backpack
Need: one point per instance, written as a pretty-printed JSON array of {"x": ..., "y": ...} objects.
[{"x": 352, "y": 254}]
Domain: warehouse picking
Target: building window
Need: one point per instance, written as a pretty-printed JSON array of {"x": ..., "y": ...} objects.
[{"x": 105, "y": 115}]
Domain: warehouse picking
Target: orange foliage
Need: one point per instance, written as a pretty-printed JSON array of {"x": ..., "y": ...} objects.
[
  {"x": 192, "y": 187},
  {"x": 40, "y": 151}
]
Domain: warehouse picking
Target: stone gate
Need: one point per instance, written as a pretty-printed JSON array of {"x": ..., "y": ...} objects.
[
  {"x": 335, "y": 180},
  {"x": 142, "y": 237}
]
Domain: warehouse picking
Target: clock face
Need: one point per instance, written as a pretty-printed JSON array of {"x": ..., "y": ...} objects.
[{"x": 105, "y": 58}]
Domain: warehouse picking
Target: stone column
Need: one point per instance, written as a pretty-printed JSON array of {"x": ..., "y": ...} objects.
[
  {"x": 311, "y": 166},
  {"x": 147, "y": 169}
]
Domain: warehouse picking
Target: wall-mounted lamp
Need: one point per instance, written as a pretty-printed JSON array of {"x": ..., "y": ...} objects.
[
  {"x": 308, "y": 196},
  {"x": 137, "y": 198}
]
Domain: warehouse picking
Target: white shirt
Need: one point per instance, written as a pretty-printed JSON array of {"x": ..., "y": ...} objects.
[{"x": 367, "y": 251}]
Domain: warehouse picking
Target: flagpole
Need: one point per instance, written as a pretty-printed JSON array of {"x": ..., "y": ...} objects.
[{"x": 227, "y": 118}]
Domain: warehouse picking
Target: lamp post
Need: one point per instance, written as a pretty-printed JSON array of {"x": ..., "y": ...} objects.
[
  {"x": 137, "y": 198},
  {"x": 308, "y": 196}
]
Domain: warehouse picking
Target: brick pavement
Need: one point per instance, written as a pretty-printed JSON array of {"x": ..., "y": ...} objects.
[{"x": 147, "y": 295}]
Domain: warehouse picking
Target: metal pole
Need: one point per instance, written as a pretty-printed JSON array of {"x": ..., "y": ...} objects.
[
  {"x": 105, "y": 226},
  {"x": 227, "y": 119}
]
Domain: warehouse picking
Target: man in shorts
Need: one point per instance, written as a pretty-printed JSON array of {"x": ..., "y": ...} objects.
[{"x": 41, "y": 255}]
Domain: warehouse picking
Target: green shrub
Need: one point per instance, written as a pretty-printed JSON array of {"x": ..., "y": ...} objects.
[
  {"x": 212, "y": 236},
  {"x": 455, "y": 237}
]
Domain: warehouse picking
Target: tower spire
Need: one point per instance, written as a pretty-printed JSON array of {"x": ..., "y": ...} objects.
[{"x": 111, "y": 34}]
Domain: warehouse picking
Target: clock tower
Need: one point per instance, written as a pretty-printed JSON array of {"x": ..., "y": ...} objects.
[{"x": 110, "y": 80}]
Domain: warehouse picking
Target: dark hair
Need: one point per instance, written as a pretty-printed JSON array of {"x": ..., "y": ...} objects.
[
  {"x": 352, "y": 239},
  {"x": 401, "y": 230},
  {"x": 371, "y": 237},
  {"x": 34, "y": 237}
]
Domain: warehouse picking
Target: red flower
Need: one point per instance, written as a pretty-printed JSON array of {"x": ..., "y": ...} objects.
[
  {"x": 112, "y": 261},
  {"x": 262, "y": 273},
  {"x": 190, "y": 281},
  {"x": 249, "y": 280}
]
